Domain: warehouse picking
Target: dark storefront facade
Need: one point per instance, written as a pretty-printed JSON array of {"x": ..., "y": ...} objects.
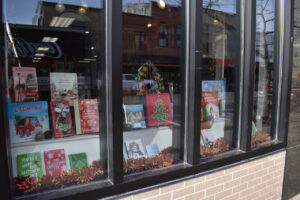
[{"x": 143, "y": 99}]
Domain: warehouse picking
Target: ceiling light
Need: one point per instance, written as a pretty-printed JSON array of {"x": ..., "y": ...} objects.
[
  {"x": 92, "y": 47},
  {"x": 39, "y": 54},
  {"x": 64, "y": 22},
  {"x": 50, "y": 39},
  {"x": 43, "y": 48},
  {"x": 37, "y": 58},
  {"x": 161, "y": 4},
  {"x": 89, "y": 59},
  {"x": 60, "y": 7}
]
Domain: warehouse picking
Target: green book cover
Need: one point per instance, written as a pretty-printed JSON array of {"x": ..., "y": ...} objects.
[
  {"x": 30, "y": 164},
  {"x": 78, "y": 160}
]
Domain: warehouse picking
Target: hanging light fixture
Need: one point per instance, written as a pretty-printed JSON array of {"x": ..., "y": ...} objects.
[
  {"x": 60, "y": 6},
  {"x": 161, "y": 4},
  {"x": 83, "y": 8}
]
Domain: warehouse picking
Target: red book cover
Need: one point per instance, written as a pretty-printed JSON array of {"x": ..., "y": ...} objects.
[
  {"x": 86, "y": 116},
  {"x": 55, "y": 162},
  {"x": 158, "y": 109},
  {"x": 25, "y": 84},
  {"x": 61, "y": 118},
  {"x": 210, "y": 104}
]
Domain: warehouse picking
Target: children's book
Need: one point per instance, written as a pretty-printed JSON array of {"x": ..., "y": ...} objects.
[
  {"x": 217, "y": 86},
  {"x": 135, "y": 149},
  {"x": 55, "y": 162},
  {"x": 26, "y": 120},
  {"x": 63, "y": 86},
  {"x": 86, "y": 116},
  {"x": 78, "y": 160},
  {"x": 210, "y": 105},
  {"x": 30, "y": 164},
  {"x": 158, "y": 109},
  {"x": 134, "y": 115},
  {"x": 152, "y": 149},
  {"x": 25, "y": 84},
  {"x": 61, "y": 118}
]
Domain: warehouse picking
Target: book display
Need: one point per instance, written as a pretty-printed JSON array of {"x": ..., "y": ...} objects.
[
  {"x": 86, "y": 116},
  {"x": 30, "y": 164},
  {"x": 27, "y": 120},
  {"x": 55, "y": 162},
  {"x": 134, "y": 115},
  {"x": 64, "y": 86},
  {"x": 61, "y": 118},
  {"x": 25, "y": 84}
]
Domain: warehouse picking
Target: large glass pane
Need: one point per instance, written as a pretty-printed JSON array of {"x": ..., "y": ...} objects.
[
  {"x": 264, "y": 71},
  {"x": 152, "y": 86},
  {"x": 218, "y": 76},
  {"x": 54, "y": 98}
]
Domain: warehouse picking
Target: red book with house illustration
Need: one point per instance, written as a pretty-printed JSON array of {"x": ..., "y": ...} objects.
[
  {"x": 55, "y": 162},
  {"x": 158, "y": 109},
  {"x": 86, "y": 116},
  {"x": 61, "y": 118},
  {"x": 25, "y": 84}
]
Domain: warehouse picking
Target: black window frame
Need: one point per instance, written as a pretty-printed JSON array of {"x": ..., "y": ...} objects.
[{"x": 116, "y": 182}]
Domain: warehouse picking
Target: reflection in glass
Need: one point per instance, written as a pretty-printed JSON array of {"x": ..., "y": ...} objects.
[
  {"x": 218, "y": 76},
  {"x": 264, "y": 71},
  {"x": 151, "y": 84},
  {"x": 54, "y": 99}
]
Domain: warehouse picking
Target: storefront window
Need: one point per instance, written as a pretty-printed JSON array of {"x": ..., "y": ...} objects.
[
  {"x": 264, "y": 72},
  {"x": 54, "y": 102},
  {"x": 151, "y": 88},
  {"x": 218, "y": 76}
]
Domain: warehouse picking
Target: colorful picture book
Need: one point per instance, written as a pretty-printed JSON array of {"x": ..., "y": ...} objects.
[
  {"x": 152, "y": 149},
  {"x": 220, "y": 87},
  {"x": 135, "y": 149},
  {"x": 30, "y": 164},
  {"x": 64, "y": 86},
  {"x": 61, "y": 118},
  {"x": 134, "y": 115},
  {"x": 55, "y": 162},
  {"x": 210, "y": 105},
  {"x": 26, "y": 120},
  {"x": 86, "y": 116},
  {"x": 25, "y": 84},
  {"x": 158, "y": 109},
  {"x": 78, "y": 160}
]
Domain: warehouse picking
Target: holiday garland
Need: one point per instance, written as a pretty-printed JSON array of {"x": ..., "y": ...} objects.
[
  {"x": 163, "y": 159},
  {"x": 67, "y": 178},
  {"x": 90, "y": 173}
]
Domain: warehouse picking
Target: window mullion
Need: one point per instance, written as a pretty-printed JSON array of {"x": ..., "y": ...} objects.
[
  {"x": 248, "y": 21},
  {"x": 113, "y": 63}
]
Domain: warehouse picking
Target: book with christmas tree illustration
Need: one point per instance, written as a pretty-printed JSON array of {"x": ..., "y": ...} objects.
[
  {"x": 210, "y": 105},
  {"x": 55, "y": 162},
  {"x": 78, "y": 160},
  {"x": 64, "y": 86},
  {"x": 30, "y": 164},
  {"x": 135, "y": 149},
  {"x": 134, "y": 115},
  {"x": 217, "y": 86},
  {"x": 26, "y": 120},
  {"x": 158, "y": 109},
  {"x": 61, "y": 118},
  {"x": 86, "y": 116},
  {"x": 25, "y": 84}
]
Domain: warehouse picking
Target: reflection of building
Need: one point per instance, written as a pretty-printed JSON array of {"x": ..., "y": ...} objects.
[{"x": 151, "y": 33}]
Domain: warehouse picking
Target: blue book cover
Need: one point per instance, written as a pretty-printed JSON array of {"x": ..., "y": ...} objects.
[
  {"x": 217, "y": 86},
  {"x": 134, "y": 115},
  {"x": 152, "y": 149},
  {"x": 26, "y": 120}
]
